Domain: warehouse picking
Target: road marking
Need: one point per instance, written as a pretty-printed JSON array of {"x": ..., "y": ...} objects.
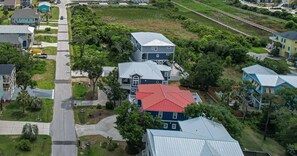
[
  {"x": 64, "y": 142},
  {"x": 63, "y": 81}
]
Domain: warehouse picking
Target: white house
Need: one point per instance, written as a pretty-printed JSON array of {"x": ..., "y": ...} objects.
[
  {"x": 7, "y": 81},
  {"x": 197, "y": 137}
]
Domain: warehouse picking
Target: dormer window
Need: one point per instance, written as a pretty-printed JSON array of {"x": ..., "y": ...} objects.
[{"x": 135, "y": 81}]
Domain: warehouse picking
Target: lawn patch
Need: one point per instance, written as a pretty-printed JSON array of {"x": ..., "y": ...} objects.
[
  {"x": 52, "y": 31},
  {"x": 82, "y": 91},
  {"x": 47, "y": 50},
  {"x": 12, "y": 111},
  {"x": 45, "y": 79},
  {"x": 50, "y": 24},
  {"x": 90, "y": 114},
  {"x": 55, "y": 13},
  {"x": 50, "y": 39},
  {"x": 258, "y": 50},
  {"x": 253, "y": 140},
  {"x": 231, "y": 73},
  {"x": 96, "y": 149},
  {"x": 40, "y": 147}
]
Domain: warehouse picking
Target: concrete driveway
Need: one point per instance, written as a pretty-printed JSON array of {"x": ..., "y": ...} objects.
[
  {"x": 106, "y": 127},
  {"x": 41, "y": 93},
  {"x": 16, "y": 127}
]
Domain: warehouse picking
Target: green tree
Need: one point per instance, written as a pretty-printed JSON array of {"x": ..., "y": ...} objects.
[
  {"x": 35, "y": 104},
  {"x": 289, "y": 95},
  {"x": 24, "y": 80},
  {"x": 23, "y": 99},
  {"x": 30, "y": 132},
  {"x": 132, "y": 124},
  {"x": 228, "y": 87},
  {"x": 24, "y": 145},
  {"x": 5, "y": 12},
  {"x": 244, "y": 90},
  {"x": 220, "y": 113}
]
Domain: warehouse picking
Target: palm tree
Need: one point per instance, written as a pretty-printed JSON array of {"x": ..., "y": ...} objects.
[
  {"x": 23, "y": 99},
  {"x": 30, "y": 131},
  {"x": 36, "y": 103}
]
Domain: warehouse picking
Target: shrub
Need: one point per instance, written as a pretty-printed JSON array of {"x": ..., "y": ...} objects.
[
  {"x": 24, "y": 145},
  {"x": 47, "y": 29},
  {"x": 104, "y": 144},
  {"x": 99, "y": 106},
  {"x": 109, "y": 105},
  {"x": 110, "y": 147}
]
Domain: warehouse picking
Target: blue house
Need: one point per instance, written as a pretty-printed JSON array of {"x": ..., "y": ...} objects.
[
  {"x": 197, "y": 137},
  {"x": 266, "y": 80},
  {"x": 164, "y": 101},
  {"x": 152, "y": 46},
  {"x": 131, "y": 74},
  {"x": 44, "y": 7},
  {"x": 26, "y": 16}
]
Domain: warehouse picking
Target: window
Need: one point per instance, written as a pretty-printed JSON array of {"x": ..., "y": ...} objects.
[
  {"x": 135, "y": 81},
  {"x": 282, "y": 40},
  {"x": 174, "y": 116},
  {"x": 165, "y": 125},
  {"x": 289, "y": 48},
  {"x": 285, "y": 40},
  {"x": 157, "y": 55},
  {"x": 168, "y": 47},
  {"x": 160, "y": 115},
  {"x": 166, "y": 74},
  {"x": 154, "y": 48},
  {"x": 173, "y": 126}
]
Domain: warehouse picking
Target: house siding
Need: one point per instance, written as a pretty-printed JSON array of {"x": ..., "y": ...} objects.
[
  {"x": 288, "y": 47},
  {"x": 168, "y": 118}
]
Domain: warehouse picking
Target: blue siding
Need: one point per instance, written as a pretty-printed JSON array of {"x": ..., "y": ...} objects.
[
  {"x": 169, "y": 116},
  {"x": 156, "y": 49},
  {"x": 154, "y": 56},
  {"x": 144, "y": 81}
]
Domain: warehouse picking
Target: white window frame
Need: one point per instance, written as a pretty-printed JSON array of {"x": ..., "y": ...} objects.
[
  {"x": 165, "y": 125},
  {"x": 157, "y": 55},
  {"x": 160, "y": 115},
  {"x": 174, "y": 115},
  {"x": 135, "y": 80},
  {"x": 173, "y": 126}
]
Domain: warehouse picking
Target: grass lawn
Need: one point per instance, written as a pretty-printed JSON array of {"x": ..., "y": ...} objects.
[
  {"x": 145, "y": 19},
  {"x": 81, "y": 114},
  {"x": 48, "y": 50},
  {"x": 231, "y": 73},
  {"x": 45, "y": 79},
  {"x": 40, "y": 147},
  {"x": 254, "y": 141},
  {"x": 96, "y": 150},
  {"x": 55, "y": 13},
  {"x": 224, "y": 19},
  {"x": 13, "y": 111},
  {"x": 50, "y": 24},
  {"x": 258, "y": 50},
  {"x": 50, "y": 39},
  {"x": 52, "y": 31},
  {"x": 81, "y": 91}
]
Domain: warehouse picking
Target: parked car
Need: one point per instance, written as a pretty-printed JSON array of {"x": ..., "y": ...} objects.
[
  {"x": 61, "y": 18},
  {"x": 43, "y": 56}
]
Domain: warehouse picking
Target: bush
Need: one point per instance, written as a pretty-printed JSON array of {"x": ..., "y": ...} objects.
[
  {"x": 24, "y": 145},
  {"x": 131, "y": 149},
  {"x": 47, "y": 29},
  {"x": 104, "y": 144},
  {"x": 98, "y": 106},
  {"x": 110, "y": 147},
  {"x": 274, "y": 52},
  {"x": 109, "y": 105}
]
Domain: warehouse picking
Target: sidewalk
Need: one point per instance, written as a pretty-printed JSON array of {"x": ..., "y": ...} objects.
[{"x": 16, "y": 127}]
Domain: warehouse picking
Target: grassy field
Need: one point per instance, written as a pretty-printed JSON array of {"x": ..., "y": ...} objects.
[
  {"x": 40, "y": 147},
  {"x": 55, "y": 13},
  {"x": 45, "y": 79},
  {"x": 224, "y": 19},
  {"x": 12, "y": 111},
  {"x": 96, "y": 150},
  {"x": 231, "y": 73},
  {"x": 82, "y": 117},
  {"x": 47, "y": 50},
  {"x": 265, "y": 20},
  {"x": 50, "y": 39},
  {"x": 52, "y": 31},
  {"x": 258, "y": 50},
  {"x": 81, "y": 91},
  {"x": 254, "y": 141},
  {"x": 143, "y": 19}
]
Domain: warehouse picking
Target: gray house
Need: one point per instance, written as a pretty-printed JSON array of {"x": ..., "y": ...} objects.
[
  {"x": 152, "y": 46},
  {"x": 133, "y": 73},
  {"x": 26, "y": 16},
  {"x": 7, "y": 81},
  {"x": 197, "y": 137},
  {"x": 9, "y": 4},
  {"x": 21, "y": 36}
]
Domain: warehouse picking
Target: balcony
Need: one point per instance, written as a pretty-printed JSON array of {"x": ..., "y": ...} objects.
[{"x": 273, "y": 38}]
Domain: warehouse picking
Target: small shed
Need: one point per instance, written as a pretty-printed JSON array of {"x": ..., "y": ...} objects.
[{"x": 44, "y": 7}]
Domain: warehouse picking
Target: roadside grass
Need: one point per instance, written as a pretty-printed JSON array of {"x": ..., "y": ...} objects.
[
  {"x": 224, "y": 19},
  {"x": 82, "y": 91},
  {"x": 40, "y": 147},
  {"x": 50, "y": 24},
  {"x": 13, "y": 112},
  {"x": 258, "y": 50},
  {"x": 231, "y": 73},
  {"x": 90, "y": 114},
  {"x": 55, "y": 13},
  {"x": 265, "y": 20},
  {"x": 253, "y": 140},
  {"x": 47, "y": 50},
  {"x": 145, "y": 19},
  {"x": 49, "y": 39},
  {"x": 45, "y": 77},
  {"x": 52, "y": 31},
  {"x": 97, "y": 150}
]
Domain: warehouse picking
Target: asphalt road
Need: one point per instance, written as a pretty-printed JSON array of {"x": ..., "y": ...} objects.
[{"x": 62, "y": 127}]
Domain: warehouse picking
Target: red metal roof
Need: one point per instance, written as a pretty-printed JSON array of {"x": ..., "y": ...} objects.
[{"x": 165, "y": 98}]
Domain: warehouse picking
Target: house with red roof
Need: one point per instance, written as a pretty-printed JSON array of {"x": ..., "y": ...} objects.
[{"x": 164, "y": 101}]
